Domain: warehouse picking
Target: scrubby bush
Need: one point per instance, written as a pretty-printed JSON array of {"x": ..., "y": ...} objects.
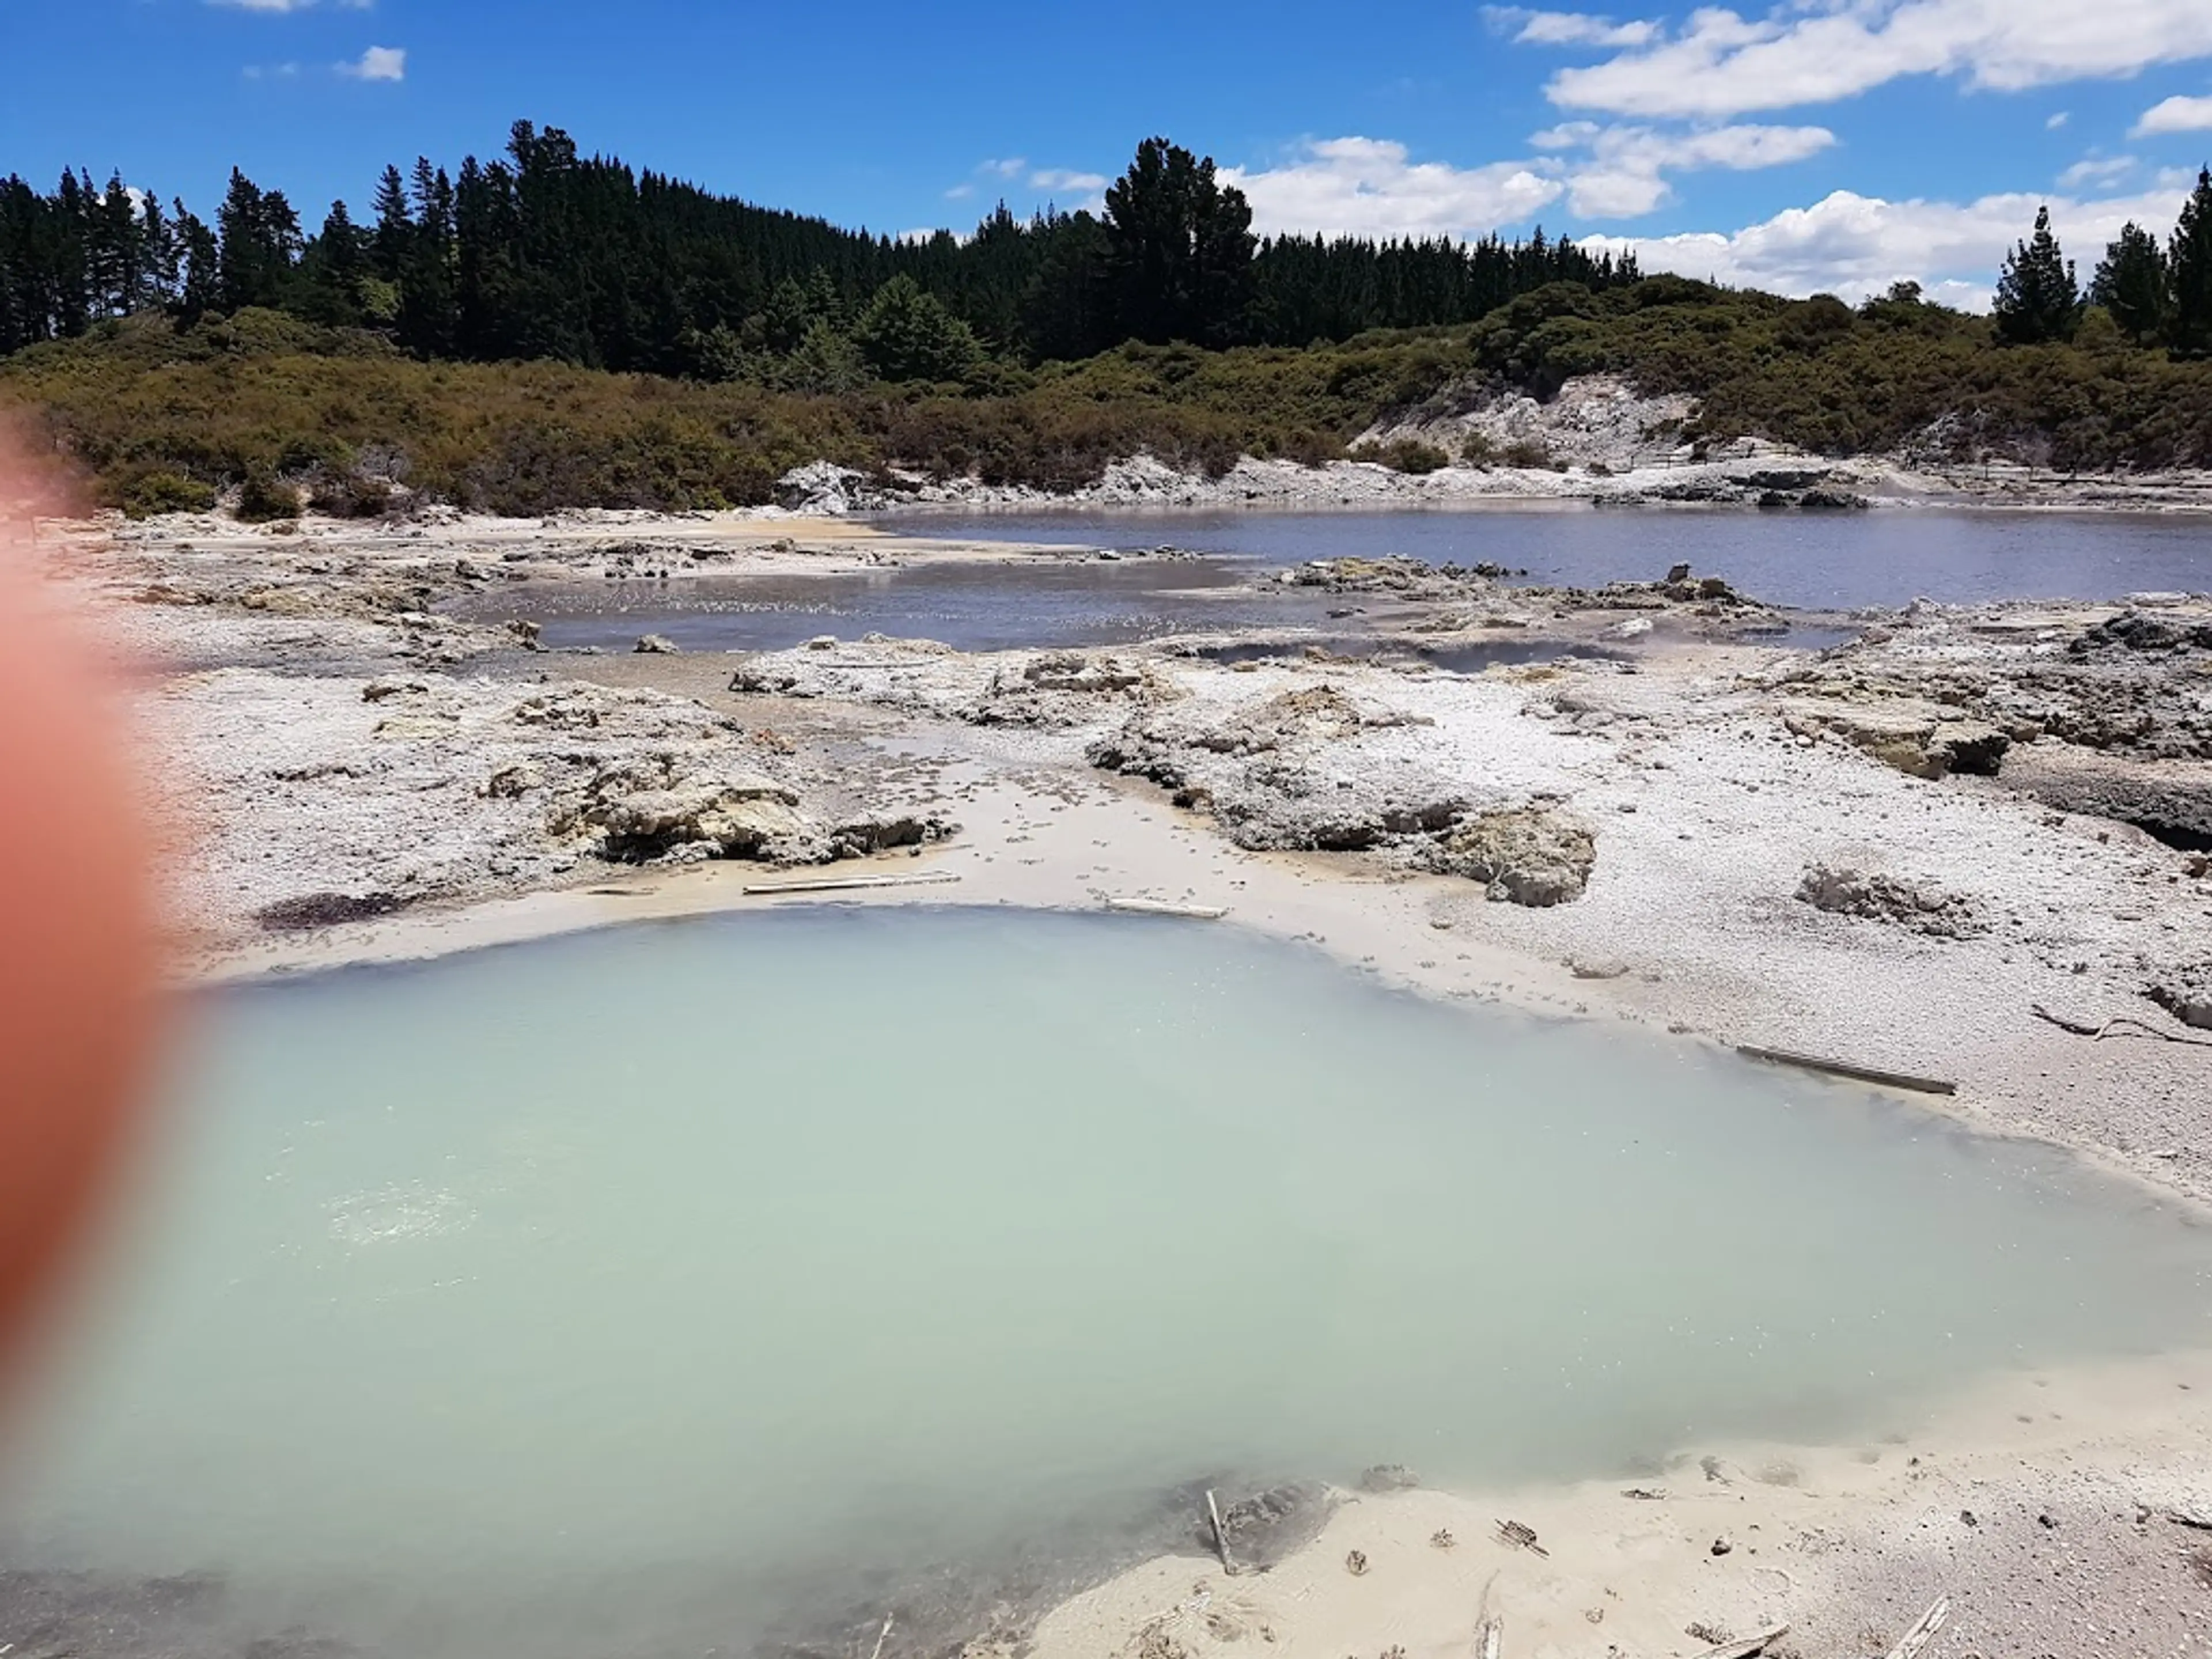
[
  {"x": 1408, "y": 455},
  {"x": 163, "y": 417},
  {"x": 263, "y": 496},
  {"x": 350, "y": 495},
  {"x": 161, "y": 490}
]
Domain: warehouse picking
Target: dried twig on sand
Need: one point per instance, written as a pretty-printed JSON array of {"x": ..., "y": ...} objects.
[
  {"x": 882, "y": 1636},
  {"x": 1924, "y": 1632},
  {"x": 1145, "y": 907},
  {"x": 1521, "y": 1536},
  {"x": 849, "y": 884},
  {"x": 2114, "y": 1027},
  {"x": 1487, "y": 1639},
  {"x": 1749, "y": 1646},
  {"x": 1923, "y": 1086},
  {"x": 1220, "y": 1537}
]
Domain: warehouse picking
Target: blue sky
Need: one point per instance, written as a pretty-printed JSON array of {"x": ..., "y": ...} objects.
[{"x": 1820, "y": 143}]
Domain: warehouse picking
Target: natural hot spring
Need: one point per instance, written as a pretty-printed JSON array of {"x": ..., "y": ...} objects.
[{"x": 645, "y": 1288}]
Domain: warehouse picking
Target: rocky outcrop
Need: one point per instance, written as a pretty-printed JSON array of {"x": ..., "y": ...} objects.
[
  {"x": 1538, "y": 856},
  {"x": 2170, "y": 801},
  {"x": 1043, "y": 688},
  {"x": 2187, "y": 993},
  {"x": 1921, "y": 738},
  {"x": 655, "y": 806},
  {"x": 825, "y": 489},
  {"x": 1288, "y": 772},
  {"x": 1924, "y": 907}
]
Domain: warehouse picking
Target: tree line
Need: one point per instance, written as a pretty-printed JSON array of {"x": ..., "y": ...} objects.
[
  {"x": 2155, "y": 295},
  {"x": 545, "y": 253}
]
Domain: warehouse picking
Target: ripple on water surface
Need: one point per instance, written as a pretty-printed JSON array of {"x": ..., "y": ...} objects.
[{"x": 664, "y": 1270}]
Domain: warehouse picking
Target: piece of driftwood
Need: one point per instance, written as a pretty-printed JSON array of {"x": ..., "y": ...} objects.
[
  {"x": 1748, "y": 1647},
  {"x": 1924, "y": 1632},
  {"x": 1521, "y": 1536},
  {"x": 1489, "y": 1637},
  {"x": 845, "y": 884},
  {"x": 1145, "y": 907},
  {"x": 1220, "y": 1536},
  {"x": 2112, "y": 1027},
  {"x": 1925, "y": 1085},
  {"x": 882, "y": 1637}
]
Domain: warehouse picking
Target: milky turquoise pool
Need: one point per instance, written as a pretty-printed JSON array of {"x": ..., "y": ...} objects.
[{"x": 663, "y": 1270}]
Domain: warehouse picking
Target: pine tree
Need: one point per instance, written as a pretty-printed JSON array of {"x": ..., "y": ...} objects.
[
  {"x": 260, "y": 236},
  {"x": 2189, "y": 268},
  {"x": 1179, "y": 249},
  {"x": 395, "y": 227},
  {"x": 200, "y": 290},
  {"x": 334, "y": 265},
  {"x": 2038, "y": 299},
  {"x": 2132, "y": 284},
  {"x": 906, "y": 335}
]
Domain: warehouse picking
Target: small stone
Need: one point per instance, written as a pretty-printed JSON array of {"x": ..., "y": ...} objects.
[
  {"x": 823, "y": 643},
  {"x": 1722, "y": 1546},
  {"x": 1356, "y": 1563},
  {"x": 1969, "y": 1518},
  {"x": 654, "y": 644},
  {"x": 1442, "y": 1539},
  {"x": 1388, "y": 1477}
]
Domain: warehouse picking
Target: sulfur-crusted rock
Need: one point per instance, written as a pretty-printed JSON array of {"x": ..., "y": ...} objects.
[{"x": 1534, "y": 856}]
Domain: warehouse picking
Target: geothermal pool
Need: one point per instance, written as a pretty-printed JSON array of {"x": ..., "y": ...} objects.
[{"x": 640, "y": 1289}]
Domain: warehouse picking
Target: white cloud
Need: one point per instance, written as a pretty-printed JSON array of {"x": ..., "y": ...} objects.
[
  {"x": 1062, "y": 179},
  {"x": 269, "y": 71},
  {"x": 2058, "y": 121},
  {"x": 1624, "y": 172},
  {"x": 377, "y": 63},
  {"x": 1367, "y": 188},
  {"x": 1814, "y": 51},
  {"x": 2097, "y": 170},
  {"x": 959, "y": 193},
  {"x": 1854, "y": 245},
  {"x": 1568, "y": 135},
  {"x": 1568, "y": 28},
  {"x": 265, "y": 6},
  {"x": 2175, "y": 115},
  {"x": 1008, "y": 168}
]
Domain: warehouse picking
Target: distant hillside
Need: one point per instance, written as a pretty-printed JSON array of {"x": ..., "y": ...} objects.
[{"x": 164, "y": 416}]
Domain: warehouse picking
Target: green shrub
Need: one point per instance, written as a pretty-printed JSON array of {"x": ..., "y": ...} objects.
[
  {"x": 263, "y": 496},
  {"x": 162, "y": 490},
  {"x": 1407, "y": 455},
  {"x": 163, "y": 416},
  {"x": 350, "y": 495}
]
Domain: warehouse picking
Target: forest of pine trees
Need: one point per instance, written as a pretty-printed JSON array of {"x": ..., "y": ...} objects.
[
  {"x": 546, "y": 254},
  {"x": 2155, "y": 296}
]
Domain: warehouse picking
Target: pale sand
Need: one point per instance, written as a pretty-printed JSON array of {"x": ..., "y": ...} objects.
[{"x": 1848, "y": 1544}]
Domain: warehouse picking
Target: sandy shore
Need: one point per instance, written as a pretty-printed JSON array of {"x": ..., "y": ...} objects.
[{"x": 337, "y": 739}]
